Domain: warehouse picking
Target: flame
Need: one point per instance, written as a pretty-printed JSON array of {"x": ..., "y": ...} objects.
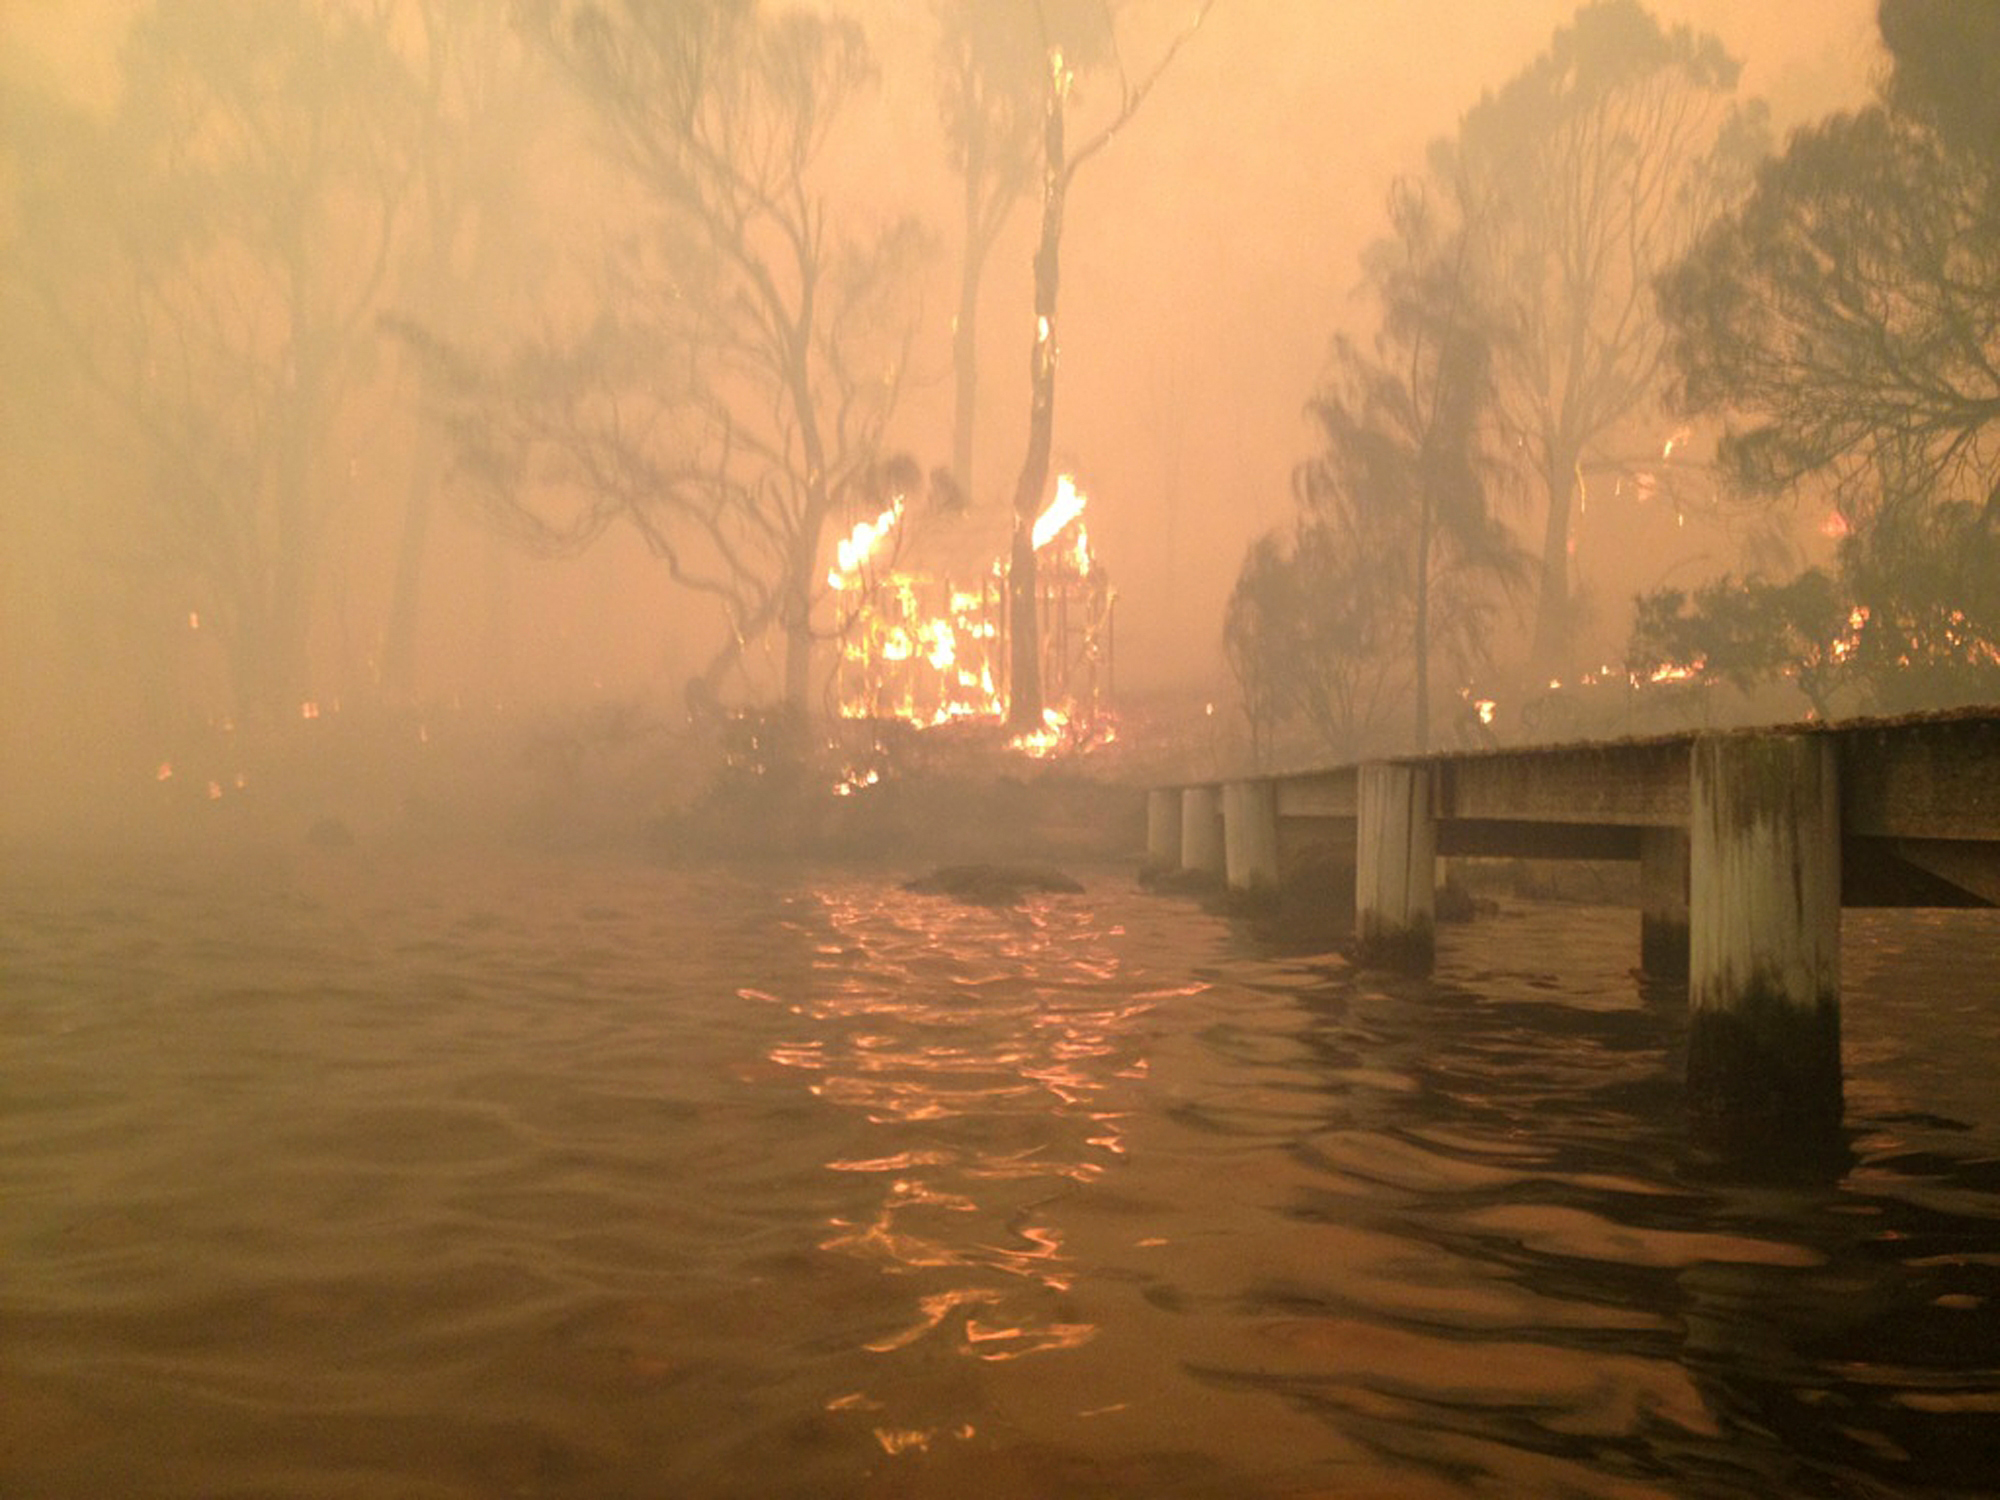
[
  {"x": 1844, "y": 646},
  {"x": 929, "y": 651},
  {"x": 1065, "y": 507},
  {"x": 854, "y": 549},
  {"x": 1044, "y": 742},
  {"x": 943, "y": 643}
]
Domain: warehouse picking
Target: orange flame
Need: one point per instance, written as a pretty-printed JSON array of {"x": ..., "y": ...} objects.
[
  {"x": 852, "y": 551},
  {"x": 1067, "y": 505}
]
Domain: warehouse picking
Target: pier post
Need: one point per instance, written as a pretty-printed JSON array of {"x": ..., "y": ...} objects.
[
  {"x": 1663, "y": 902},
  {"x": 1163, "y": 828},
  {"x": 1395, "y": 892},
  {"x": 1201, "y": 830},
  {"x": 1250, "y": 835},
  {"x": 1764, "y": 940}
]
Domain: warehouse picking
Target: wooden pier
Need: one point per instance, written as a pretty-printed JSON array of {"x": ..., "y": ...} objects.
[{"x": 1748, "y": 844}]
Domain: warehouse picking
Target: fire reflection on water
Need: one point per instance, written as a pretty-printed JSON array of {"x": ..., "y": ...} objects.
[{"x": 993, "y": 1081}]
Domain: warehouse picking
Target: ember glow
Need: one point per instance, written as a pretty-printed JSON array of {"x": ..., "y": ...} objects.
[{"x": 1844, "y": 645}]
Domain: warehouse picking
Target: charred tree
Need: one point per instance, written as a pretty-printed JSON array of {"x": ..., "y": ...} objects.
[
  {"x": 1025, "y": 703},
  {"x": 993, "y": 57}
]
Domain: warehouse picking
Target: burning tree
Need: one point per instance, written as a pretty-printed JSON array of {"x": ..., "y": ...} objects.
[
  {"x": 993, "y": 63},
  {"x": 1060, "y": 164}
]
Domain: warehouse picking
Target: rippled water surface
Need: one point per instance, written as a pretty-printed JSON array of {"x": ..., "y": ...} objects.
[{"x": 339, "y": 1176}]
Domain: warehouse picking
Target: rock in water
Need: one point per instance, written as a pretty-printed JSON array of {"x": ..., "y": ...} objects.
[{"x": 992, "y": 885}]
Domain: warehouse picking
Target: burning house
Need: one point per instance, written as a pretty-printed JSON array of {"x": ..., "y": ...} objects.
[{"x": 921, "y": 596}]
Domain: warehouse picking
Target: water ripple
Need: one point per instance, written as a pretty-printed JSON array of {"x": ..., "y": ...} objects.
[{"x": 486, "y": 1177}]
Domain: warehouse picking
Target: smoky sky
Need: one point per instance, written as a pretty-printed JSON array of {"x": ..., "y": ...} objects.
[{"x": 1211, "y": 254}]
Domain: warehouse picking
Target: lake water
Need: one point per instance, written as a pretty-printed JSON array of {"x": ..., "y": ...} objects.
[{"x": 331, "y": 1174}]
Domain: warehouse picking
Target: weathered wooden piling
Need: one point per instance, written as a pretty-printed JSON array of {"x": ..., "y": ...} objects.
[
  {"x": 1250, "y": 836},
  {"x": 1163, "y": 828},
  {"x": 1663, "y": 902},
  {"x": 1747, "y": 844},
  {"x": 1395, "y": 890},
  {"x": 1764, "y": 930},
  {"x": 1201, "y": 830}
]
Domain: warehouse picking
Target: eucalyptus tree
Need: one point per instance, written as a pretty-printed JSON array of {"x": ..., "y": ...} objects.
[
  {"x": 1060, "y": 161},
  {"x": 1845, "y": 319},
  {"x": 1412, "y": 430},
  {"x": 1844, "y": 322},
  {"x": 730, "y": 390},
  {"x": 993, "y": 61},
  {"x": 213, "y": 254},
  {"x": 1584, "y": 177},
  {"x": 1397, "y": 563},
  {"x": 1945, "y": 70}
]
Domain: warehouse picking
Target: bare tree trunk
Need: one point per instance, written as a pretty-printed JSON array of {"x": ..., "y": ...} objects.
[
  {"x": 1550, "y": 653},
  {"x": 795, "y": 621},
  {"x": 965, "y": 330}
]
